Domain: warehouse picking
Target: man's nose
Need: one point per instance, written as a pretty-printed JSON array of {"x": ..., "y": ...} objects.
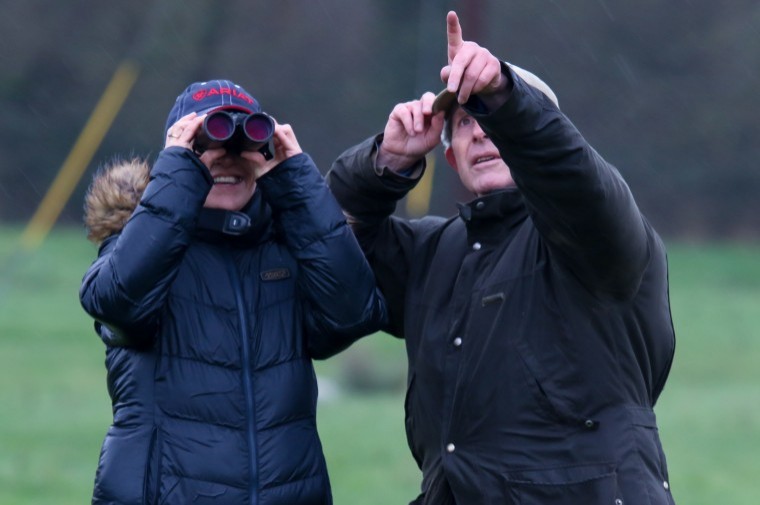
[{"x": 477, "y": 132}]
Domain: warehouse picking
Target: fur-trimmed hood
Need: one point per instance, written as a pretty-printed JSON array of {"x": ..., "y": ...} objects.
[
  {"x": 118, "y": 186},
  {"x": 113, "y": 195}
]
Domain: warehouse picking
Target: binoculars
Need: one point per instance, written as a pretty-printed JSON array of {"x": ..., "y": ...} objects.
[{"x": 236, "y": 132}]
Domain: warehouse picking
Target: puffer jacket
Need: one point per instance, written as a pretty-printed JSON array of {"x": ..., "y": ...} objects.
[
  {"x": 537, "y": 321},
  {"x": 210, "y": 327}
]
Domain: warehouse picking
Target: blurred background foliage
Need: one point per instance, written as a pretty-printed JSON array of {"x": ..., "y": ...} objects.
[{"x": 664, "y": 90}]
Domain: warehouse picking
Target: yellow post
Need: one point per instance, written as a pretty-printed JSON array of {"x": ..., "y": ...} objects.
[
  {"x": 80, "y": 156},
  {"x": 418, "y": 200}
]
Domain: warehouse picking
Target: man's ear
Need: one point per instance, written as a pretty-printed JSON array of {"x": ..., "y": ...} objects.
[{"x": 451, "y": 159}]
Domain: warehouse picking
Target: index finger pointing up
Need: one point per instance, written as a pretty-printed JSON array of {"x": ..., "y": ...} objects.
[{"x": 453, "y": 34}]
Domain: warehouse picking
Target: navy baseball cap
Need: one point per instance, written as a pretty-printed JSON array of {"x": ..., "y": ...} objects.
[{"x": 203, "y": 97}]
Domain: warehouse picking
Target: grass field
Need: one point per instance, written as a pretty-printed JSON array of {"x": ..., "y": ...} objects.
[{"x": 54, "y": 408}]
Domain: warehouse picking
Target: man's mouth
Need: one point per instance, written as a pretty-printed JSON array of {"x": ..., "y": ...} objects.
[
  {"x": 227, "y": 179},
  {"x": 484, "y": 159}
]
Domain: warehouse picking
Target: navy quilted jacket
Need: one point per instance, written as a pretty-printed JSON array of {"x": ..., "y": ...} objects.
[{"x": 210, "y": 337}]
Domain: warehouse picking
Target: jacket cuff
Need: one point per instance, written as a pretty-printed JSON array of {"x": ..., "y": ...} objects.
[
  {"x": 412, "y": 174},
  {"x": 178, "y": 187}
]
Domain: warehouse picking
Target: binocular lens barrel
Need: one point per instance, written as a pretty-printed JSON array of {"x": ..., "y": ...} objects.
[
  {"x": 236, "y": 131},
  {"x": 219, "y": 126},
  {"x": 259, "y": 127}
]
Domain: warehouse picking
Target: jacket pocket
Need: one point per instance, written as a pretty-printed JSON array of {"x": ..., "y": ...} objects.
[
  {"x": 652, "y": 467},
  {"x": 152, "y": 479},
  {"x": 409, "y": 421},
  {"x": 547, "y": 397},
  {"x": 593, "y": 483}
]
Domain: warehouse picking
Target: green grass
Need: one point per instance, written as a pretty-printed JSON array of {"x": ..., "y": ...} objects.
[
  {"x": 55, "y": 408},
  {"x": 709, "y": 413}
]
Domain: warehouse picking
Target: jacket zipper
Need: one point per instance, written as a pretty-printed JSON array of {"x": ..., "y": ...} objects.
[{"x": 247, "y": 379}]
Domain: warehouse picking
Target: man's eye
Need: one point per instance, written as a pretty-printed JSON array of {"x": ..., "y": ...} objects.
[{"x": 465, "y": 121}]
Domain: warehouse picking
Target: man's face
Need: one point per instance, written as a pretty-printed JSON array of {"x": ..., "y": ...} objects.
[
  {"x": 234, "y": 182},
  {"x": 475, "y": 157}
]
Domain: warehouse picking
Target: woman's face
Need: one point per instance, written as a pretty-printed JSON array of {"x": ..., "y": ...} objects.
[{"x": 234, "y": 181}]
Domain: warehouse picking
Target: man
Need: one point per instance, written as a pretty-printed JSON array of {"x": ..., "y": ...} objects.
[
  {"x": 221, "y": 272},
  {"x": 537, "y": 321}
]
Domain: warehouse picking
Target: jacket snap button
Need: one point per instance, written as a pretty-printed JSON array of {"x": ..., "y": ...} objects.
[
  {"x": 665, "y": 485},
  {"x": 476, "y": 246},
  {"x": 588, "y": 423},
  {"x": 450, "y": 448},
  {"x": 618, "y": 501},
  {"x": 457, "y": 342},
  {"x": 480, "y": 205}
]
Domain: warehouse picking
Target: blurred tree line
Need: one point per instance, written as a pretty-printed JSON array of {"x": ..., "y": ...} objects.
[{"x": 664, "y": 90}]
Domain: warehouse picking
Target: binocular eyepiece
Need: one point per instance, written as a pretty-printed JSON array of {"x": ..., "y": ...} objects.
[{"x": 236, "y": 132}]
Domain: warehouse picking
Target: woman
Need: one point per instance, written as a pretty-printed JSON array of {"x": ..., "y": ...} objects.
[{"x": 221, "y": 272}]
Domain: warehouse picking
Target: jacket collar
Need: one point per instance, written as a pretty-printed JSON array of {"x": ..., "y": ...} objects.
[
  {"x": 493, "y": 216},
  {"x": 251, "y": 225}
]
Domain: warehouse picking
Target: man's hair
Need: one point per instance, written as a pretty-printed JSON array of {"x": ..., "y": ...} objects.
[{"x": 447, "y": 126}]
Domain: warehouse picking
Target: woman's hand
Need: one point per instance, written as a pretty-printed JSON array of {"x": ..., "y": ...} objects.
[
  {"x": 183, "y": 132},
  {"x": 285, "y": 146}
]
